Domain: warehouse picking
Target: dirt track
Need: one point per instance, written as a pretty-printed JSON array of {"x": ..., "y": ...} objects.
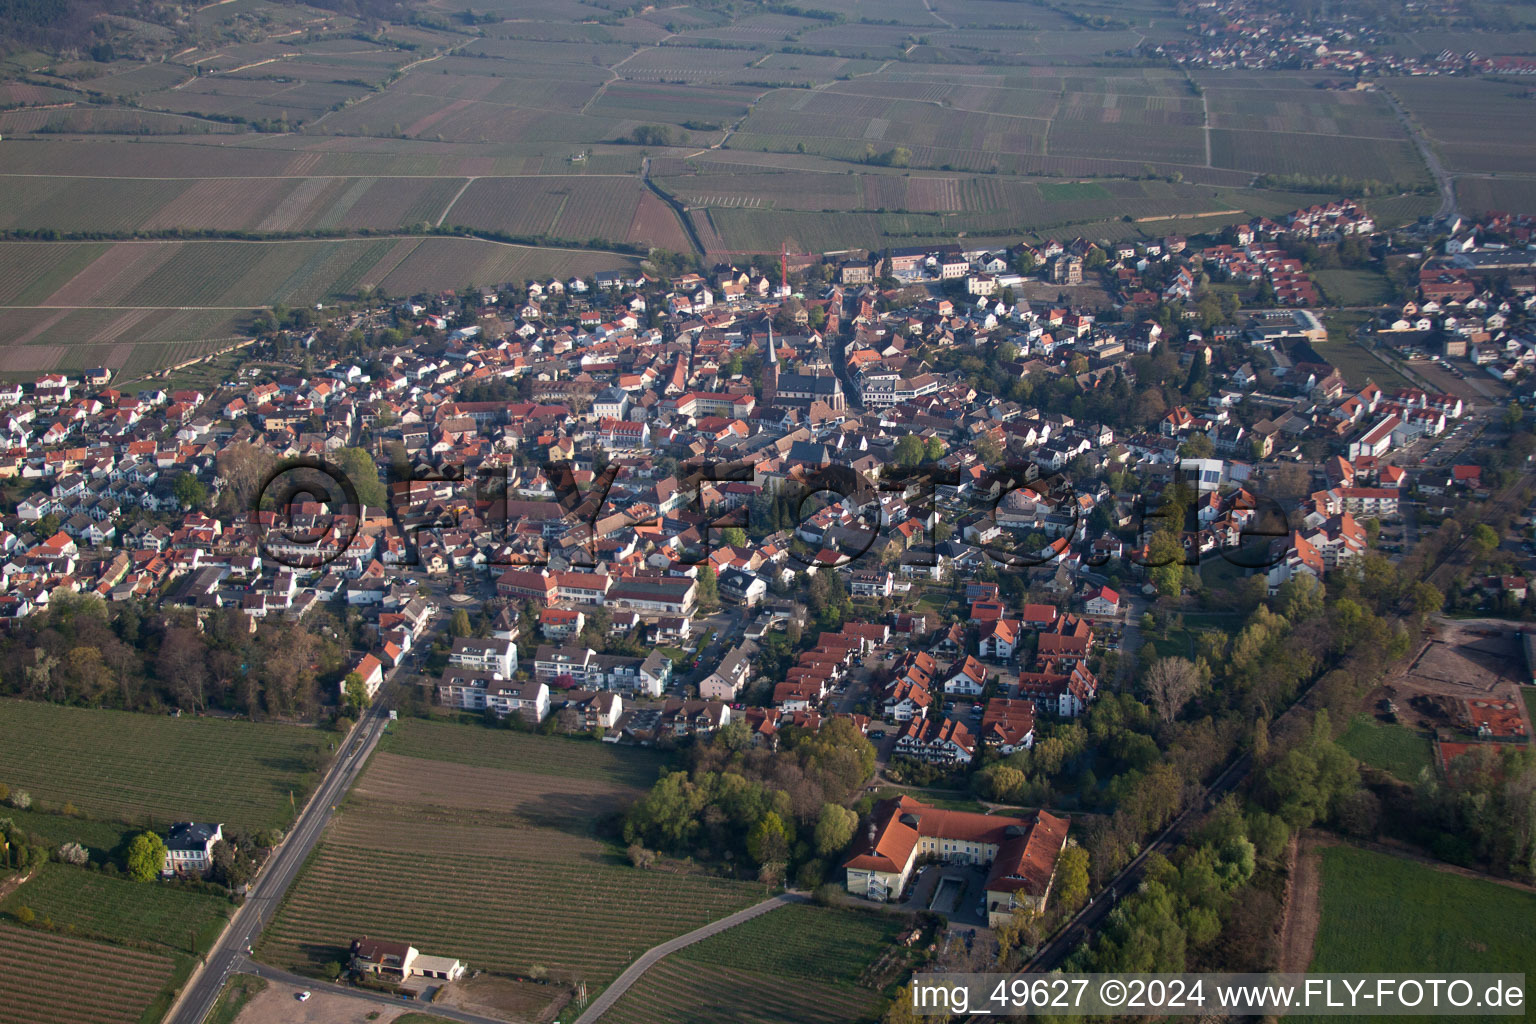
[{"x": 1302, "y": 907}]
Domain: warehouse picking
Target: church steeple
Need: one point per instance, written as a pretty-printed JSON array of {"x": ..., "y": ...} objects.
[{"x": 771, "y": 370}]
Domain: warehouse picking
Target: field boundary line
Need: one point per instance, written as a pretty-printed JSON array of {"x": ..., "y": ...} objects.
[{"x": 610, "y": 995}]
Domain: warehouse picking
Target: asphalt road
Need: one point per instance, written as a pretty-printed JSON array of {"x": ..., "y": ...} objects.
[{"x": 278, "y": 873}]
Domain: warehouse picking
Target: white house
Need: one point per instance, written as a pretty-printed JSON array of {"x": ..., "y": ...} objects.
[
  {"x": 490, "y": 654},
  {"x": 1103, "y": 601},
  {"x": 189, "y": 847},
  {"x": 968, "y": 678}
]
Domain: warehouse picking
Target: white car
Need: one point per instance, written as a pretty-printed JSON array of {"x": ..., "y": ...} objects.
[{"x": 301, "y": 996}]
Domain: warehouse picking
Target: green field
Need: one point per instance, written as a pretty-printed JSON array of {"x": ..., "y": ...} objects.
[
  {"x": 1394, "y": 749},
  {"x": 51, "y": 978},
  {"x": 1353, "y": 287},
  {"x": 153, "y": 769},
  {"x": 1074, "y": 190},
  {"x": 254, "y": 117},
  {"x": 797, "y": 963},
  {"x": 675, "y": 991},
  {"x": 1357, "y": 365},
  {"x": 101, "y": 838},
  {"x": 1382, "y": 913},
  {"x": 523, "y": 752},
  {"x": 493, "y": 847},
  {"x": 825, "y": 944},
  {"x": 138, "y": 914}
]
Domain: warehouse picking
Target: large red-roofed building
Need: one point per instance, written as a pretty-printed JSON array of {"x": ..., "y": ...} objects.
[{"x": 1021, "y": 852}]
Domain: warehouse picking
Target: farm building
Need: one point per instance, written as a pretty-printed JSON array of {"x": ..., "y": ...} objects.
[
  {"x": 401, "y": 961},
  {"x": 1022, "y": 852}
]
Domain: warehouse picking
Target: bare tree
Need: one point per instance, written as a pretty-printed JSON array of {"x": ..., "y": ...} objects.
[{"x": 1169, "y": 683}]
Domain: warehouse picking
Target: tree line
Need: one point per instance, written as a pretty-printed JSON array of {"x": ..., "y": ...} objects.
[
  {"x": 782, "y": 814},
  {"x": 84, "y": 652}
]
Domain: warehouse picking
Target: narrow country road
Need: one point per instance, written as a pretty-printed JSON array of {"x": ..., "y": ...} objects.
[
  {"x": 610, "y": 995},
  {"x": 1443, "y": 180},
  {"x": 277, "y": 875}
]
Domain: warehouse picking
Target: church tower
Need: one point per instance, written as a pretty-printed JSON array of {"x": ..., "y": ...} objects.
[{"x": 771, "y": 371}]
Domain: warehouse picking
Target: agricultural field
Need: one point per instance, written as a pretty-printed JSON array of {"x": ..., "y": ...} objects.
[
  {"x": 104, "y": 984},
  {"x": 95, "y": 760},
  {"x": 268, "y": 205},
  {"x": 830, "y": 945},
  {"x": 1476, "y": 124},
  {"x": 1379, "y": 913},
  {"x": 677, "y": 991},
  {"x": 119, "y": 910},
  {"x": 516, "y": 751},
  {"x": 834, "y": 124},
  {"x": 103, "y": 839},
  {"x": 1357, "y": 365},
  {"x": 572, "y": 208},
  {"x": 491, "y": 835},
  {"x": 1296, "y": 153},
  {"x": 1476, "y": 195},
  {"x": 1394, "y": 749},
  {"x": 138, "y": 307},
  {"x": 1353, "y": 287}
]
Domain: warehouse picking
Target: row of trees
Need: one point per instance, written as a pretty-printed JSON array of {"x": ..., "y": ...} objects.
[{"x": 82, "y": 651}]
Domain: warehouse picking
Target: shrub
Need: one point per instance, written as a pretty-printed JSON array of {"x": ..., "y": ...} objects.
[
  {"x": 25, "y": 915},
  {"x": 74, "y": 853}
]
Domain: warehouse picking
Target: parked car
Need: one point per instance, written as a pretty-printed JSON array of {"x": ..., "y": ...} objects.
[{"x": 302, "y": 997}]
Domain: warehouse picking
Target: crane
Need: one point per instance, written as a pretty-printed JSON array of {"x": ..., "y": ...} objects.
[{"x": 782, "y": 253}]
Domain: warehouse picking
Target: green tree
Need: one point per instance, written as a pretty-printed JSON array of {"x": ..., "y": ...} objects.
[
  {"x": 708, "y": 588},
  {"x": 1198, "y": 446},
  {"x": 1072, "y": 877},
  {"x": 1483, "y": 540},
  {"x": 1427, "y": 598},
  {"x": 358, "y": 467},
  {"x": 903, "y": 1010},
  {"x": 768, "y": 842},
  {"x": 834, "y": 829},
  {"x": 1299, "y": 598},
  {"x": 459, "y": 624},
  {"x": 191, "y": 492},
  {"x": 1165, "y": 554},
  {"x": 734, "y": 536},
  {"x": 910, "y": 451},
  {"x": 934, "y": 450},
  {"x": 355, "y": 692},
  {"x": 146, "y": 856}
]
